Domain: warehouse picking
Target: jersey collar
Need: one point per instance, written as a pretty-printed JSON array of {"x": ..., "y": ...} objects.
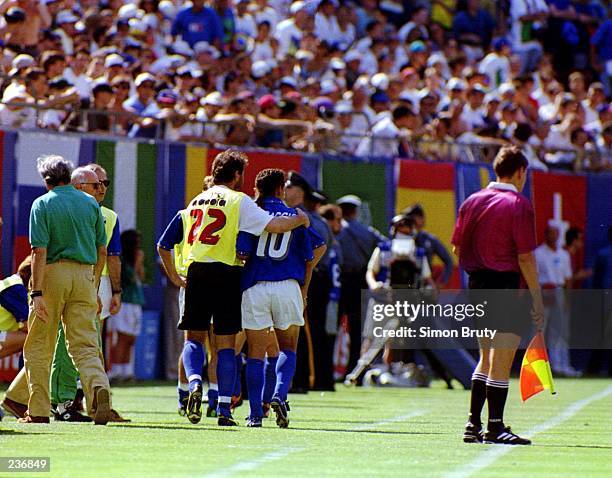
[{"x": 502, "y": 186}]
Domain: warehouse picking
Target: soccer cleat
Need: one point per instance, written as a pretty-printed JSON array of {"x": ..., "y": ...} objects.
[
  {"x": 66, "y": 412},
  {"x": 473, "y": 433},
  {"x": 254, "y": 422},
  {"x": 504, "y": 437},
  {"x": 266, "y": 409},
  {"x": 77, "y": 403},
  {"x": 211, "y": 412},
  {"x": 103, "y": 410},
  {"x": 194, "y": 404},
  {"x": 226, "y": 421},
  {"x": 182, "y": 408},
  {"x": 280, "y": 409}
]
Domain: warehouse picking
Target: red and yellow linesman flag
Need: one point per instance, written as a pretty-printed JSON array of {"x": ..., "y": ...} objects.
[{"x": 535, "y": 370}]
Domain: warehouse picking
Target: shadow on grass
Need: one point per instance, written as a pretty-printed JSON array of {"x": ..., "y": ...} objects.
[
  {"x": 196, "y": 428},
  {"x": 22, "y": 433},
  {"x": 602, "y": 447},
  {"x": 375, "y": 432}
]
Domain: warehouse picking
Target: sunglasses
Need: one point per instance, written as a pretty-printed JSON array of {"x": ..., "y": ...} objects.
[
  {"x": 106, "y": 183},
  {"x": 95, "y": 185}
]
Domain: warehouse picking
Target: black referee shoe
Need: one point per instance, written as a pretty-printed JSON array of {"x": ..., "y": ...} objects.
[
  {"x": 504, "y": 437},
  {"x": 473, "y": 433}
]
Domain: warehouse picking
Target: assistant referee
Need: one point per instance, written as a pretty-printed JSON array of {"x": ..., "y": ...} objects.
[{"x": 495, "y": 239}]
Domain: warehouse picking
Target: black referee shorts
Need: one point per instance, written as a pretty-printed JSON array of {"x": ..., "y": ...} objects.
[
  {"x": 213, "y": 292},
  {"x": 508, "y": 307}
]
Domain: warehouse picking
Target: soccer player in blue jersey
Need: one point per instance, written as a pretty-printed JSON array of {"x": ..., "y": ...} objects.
[{"x": 275, "y": 281}]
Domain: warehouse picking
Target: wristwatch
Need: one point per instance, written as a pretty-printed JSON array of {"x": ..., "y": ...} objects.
[
  {"x": 36, "y": 293},
  {"x": 117, "y": 291}
]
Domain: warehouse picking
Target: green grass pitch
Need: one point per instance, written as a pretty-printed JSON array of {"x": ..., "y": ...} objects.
[{"x": 353, "y": 432}]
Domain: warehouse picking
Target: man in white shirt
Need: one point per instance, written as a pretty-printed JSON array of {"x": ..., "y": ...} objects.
[
  {"x": 289, "y": 32},
  {"x": 528, "y": 16},
  {"x": 245, "y": 24},
  {"x": 326, "y": 24},
  {"x": 473, "y": 112},
  {"x": 388, "y": 139},
  {"x": 554, "y": 273},
  {"x": 77, "y": 73},
  {"x": 496, "y": 64}
]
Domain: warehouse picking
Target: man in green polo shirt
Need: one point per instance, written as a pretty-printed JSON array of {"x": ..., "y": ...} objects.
[{"x": 68, "y": 253}]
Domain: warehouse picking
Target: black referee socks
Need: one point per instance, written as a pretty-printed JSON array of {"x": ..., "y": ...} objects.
[
  {"x": 478, "y": 397},
  {"x": 497, "y": 392}
]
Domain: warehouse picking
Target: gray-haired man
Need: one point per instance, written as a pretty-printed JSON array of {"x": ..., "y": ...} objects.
[{"x": 68, "y": 253}]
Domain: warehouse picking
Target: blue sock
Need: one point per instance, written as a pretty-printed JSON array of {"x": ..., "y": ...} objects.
[
  {"x": 193, "y": 361},
  {"x": 213, "y": 396},
  {"x": 285, "y": 369},
  {"x": 183, "y": 391},
  {"x": 238, "y": 381},
  {"x": 226, "y": 375},
  {"x": 269, "y": 379},
  {"x": 255, "y": 383}
]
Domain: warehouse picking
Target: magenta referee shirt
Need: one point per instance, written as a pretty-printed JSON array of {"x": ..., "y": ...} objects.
[{"x": 494, "y": 226}]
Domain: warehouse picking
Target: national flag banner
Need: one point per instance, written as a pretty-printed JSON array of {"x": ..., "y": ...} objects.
[
  {"x": 433, "y": 186},
  {"x": 132, "y": 168},
  {"x": 536, "y": 374},
  {"x": 259, "y": 160},
  {"x": 559, "y": 200},
  {"x": 372, "y": 181}
]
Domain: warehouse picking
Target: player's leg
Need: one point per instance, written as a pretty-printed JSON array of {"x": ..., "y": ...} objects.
[
  {"x": 478, "y": 395},
  {"x": 501, "y": 356},
  {"x": 183, "y": 383},
  {"x": 272, "y": 352},
  {"x": 257, "y": 344},
  {"x": 196, "y": 321},
  {"x": 227, "y": 318},
  {"x": 237, "y": 391},
  {"x": 63, "y": 384},
  {"x": 213, "y": 387},
  {"x": 285, "y": 369}
]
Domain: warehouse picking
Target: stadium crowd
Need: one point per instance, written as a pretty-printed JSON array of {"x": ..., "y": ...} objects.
[{"x": 361, "y": 77}]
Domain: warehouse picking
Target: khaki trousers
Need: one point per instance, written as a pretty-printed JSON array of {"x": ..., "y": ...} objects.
[{"x": 71, "y": 298}]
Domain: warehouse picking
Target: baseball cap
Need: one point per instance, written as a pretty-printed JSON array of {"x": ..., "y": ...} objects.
[
  {"x": 349, "y": 199},
  {"x": 22, "y": 61},
  {"x": 477, "y": 87},
  {"x": 213, "y": 99},
  {"x": 259, "y": 69},
  {"x": 328, "y": 86},
  {"x": 128, "y": 11},
  {"x": 101, "y": 87},
  {"x": 414, "y": 210},
  {"x": 289, "y": 81},
  {"x": 337, "y": 64},
  {"x": 323, "y": 102},
  {"x": 15, "y": 15},
  {"x": 266, "y": 101},
  {"x": 304, "y": 55},
  {"x": 500, "y": 43},
  {"x": 297, "y": 6},
  {"x": 506, "y": 88},
  {"x": 417, "y": 47},
  {"x": 167, "y": 96},
  {"x": 143, "y": 77},
  {"x": 456, "y": 84},
  {"x": 380, "y": 81},
  {"x": 181, "y": 47},
  {"x": 66, "y": 16},
  {"x": 380, "y": 97},
  {"x": 297, "y": 180},
  {"x": 113, "y": 60},
  {"x": 343, "y": 107},
  {"x": 205, "y": 47}
]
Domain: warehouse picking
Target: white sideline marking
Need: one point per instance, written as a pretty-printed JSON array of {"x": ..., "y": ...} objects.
[
  {"x": 283, "y": 452},
  {"x": 494, "y": 453},
  {"x": 399, "y": 418},
  {"x": 254, "y": 464}
]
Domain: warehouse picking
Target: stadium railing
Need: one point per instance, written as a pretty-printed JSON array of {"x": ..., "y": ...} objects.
[{"x": 320, "y": 136}]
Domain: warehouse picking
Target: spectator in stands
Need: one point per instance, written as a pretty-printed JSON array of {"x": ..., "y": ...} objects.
[
  {"x": 473, "y": 28},
  {"x": 521, "y": 136},
  {"x": 496, "y": 65},
  {"x": 390, "y": 135},
  {"x": 99, "y": 121},
  {"x": 197, "y": 23},
  {"x": 528, "y": 19},
  {"x": 602, "y": 59},
  {"x": 473, "y": 112}
]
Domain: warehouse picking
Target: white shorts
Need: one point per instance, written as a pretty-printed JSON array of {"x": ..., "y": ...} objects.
[
  {"x": 128, "y": 320},
  {"x": 272, "y": 304},
  {"x": 105, "y": 292}
]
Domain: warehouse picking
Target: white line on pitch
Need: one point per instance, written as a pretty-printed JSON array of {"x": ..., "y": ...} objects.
[
  {"x": 399, "y": 418},
  {"x": 494, "y": 453},
  {"x": 251, "y": 465}
]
